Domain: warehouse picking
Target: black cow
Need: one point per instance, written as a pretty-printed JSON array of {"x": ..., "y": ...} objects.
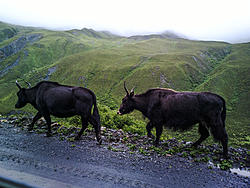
[
  {"x": 180, "y": 111},
  {"x": 52, "y": 98}
]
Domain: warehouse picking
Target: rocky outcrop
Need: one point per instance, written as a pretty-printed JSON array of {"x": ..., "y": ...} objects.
[
  {"x": 50, "y": 72},
  {"x": 7, "y": 33},
  {"x": 17, "y": 45},
  {"x": 216, "y": 54},
  {"x": 7, "y": 68}
]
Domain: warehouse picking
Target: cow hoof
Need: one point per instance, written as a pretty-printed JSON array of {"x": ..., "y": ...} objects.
[
  {"x": 194, "y": 145},
  {"x": 30, "y": 128},
  {"x": 99, "y": 141},
  {"x": 151, "y": 136},
  {"x": 225, "y": 156},
  {"x": 48, "y": 134},
  {"x": 156, "y": 144},
  {"x": 77, "y": 138}
]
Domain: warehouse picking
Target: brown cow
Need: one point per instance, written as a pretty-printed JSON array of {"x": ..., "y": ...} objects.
[{"x": 180, "y": 111}]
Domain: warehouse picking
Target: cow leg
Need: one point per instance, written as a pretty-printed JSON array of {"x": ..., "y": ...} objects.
[
  {"x": 48, "y": 120},
  {"x": 149, "y": 128},
  {"x": 204, "y": 134},
  {"x": 84, "y": 126},
  {"x": 224, "y": 143},
  {"x": 37, "y": 117},
  {"x": 158, "y": 134},
  {"x": 219, "y": 133},
  {"x": 96, "y": 124}
]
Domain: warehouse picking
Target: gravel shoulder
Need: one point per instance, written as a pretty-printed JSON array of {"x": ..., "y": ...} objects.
[{"x": 52, "y": 162}]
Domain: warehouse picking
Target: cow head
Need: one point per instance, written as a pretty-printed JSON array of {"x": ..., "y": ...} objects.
[
  {"x": 127, "y": 105},
  {"x": 22, "y": 98}
]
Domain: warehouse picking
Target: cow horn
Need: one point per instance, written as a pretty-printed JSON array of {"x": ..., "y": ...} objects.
[
  {"x": 132, "y": 90},
  {"x": 18, "y": 85},
  {"x": 126, "y": 88},
  {"x": 28, "y": 84}
]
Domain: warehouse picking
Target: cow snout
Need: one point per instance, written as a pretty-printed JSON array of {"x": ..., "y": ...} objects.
[
  {"x": 119, "y": 113},
  {"x": 17, "y": 106}
]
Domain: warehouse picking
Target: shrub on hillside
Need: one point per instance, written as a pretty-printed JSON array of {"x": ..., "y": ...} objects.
[{"x": 110, "y": 119}]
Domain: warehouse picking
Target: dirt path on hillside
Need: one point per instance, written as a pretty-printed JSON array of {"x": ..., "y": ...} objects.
[{"x": 48, "y": 162}]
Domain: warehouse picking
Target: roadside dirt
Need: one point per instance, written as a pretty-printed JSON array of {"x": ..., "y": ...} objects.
[{"x": 52, "y": 162}]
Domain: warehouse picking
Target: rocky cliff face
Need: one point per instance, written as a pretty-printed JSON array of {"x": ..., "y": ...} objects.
[
  {"x": 7, "y": 33},
  {"x": 8, "y": 67},
  {"x": 17, "y": 45}
]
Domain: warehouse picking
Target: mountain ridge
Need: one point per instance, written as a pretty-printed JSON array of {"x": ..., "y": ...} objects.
[{"x": 98, "y": 34}]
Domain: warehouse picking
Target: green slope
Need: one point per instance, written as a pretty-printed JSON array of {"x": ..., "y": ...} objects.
[
  {"x": 231, "y": 80},
  {"x": 102, "y": 62}
]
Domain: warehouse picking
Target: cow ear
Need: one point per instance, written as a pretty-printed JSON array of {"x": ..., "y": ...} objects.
[{"x": 131, "y": 94}]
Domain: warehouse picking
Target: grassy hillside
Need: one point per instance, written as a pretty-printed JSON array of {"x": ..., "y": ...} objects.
[
  {"x": 102, "y": 61},
  {"x": 231, "y": 79}
]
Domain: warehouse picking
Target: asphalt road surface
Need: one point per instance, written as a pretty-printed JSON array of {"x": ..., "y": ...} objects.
[{"x": 41, "y": 161}]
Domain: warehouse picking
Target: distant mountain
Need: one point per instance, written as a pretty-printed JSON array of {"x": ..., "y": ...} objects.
[
  {"x": 243, "y": 39},
  {"x": 93, "y": 33},
  {"x": 164, "y": 35}
]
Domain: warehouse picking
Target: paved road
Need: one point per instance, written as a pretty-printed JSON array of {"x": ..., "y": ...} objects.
[{"x": 48, "y": 162}]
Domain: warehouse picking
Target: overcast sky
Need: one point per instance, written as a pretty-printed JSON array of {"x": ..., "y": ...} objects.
[{"x": 226, "y": 20}]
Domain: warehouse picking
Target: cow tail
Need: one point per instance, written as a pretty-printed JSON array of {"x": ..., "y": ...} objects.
[
  {"x": 95, "y": 117},
  {"x": 223, "y": 113},
  {"x": 95, "y": 113},
  {"x": 95, "y": 110}
]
